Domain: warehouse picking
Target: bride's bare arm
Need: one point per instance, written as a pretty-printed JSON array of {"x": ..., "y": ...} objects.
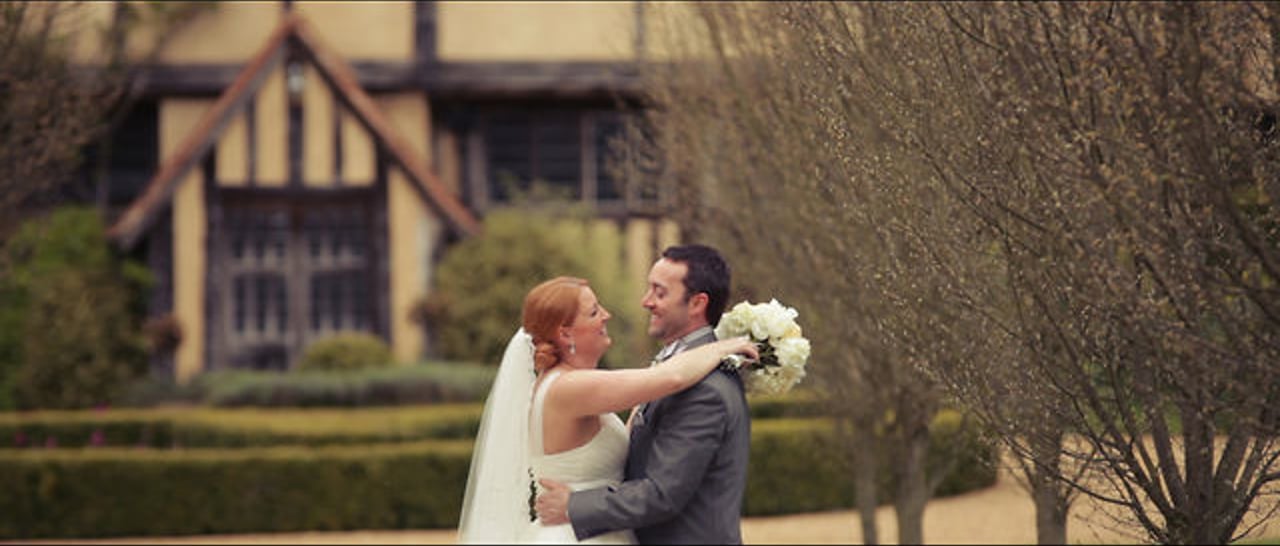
[{"x": 592, "y": 392}]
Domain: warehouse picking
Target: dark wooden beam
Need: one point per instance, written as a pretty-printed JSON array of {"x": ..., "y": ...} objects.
[
  {"x": 251, "y": 141},
  {"x": 200, "y": 140},
  {"x": 342, "y": 78},
  {"x": 337, "y": 141},
  {"x": 559, "y": 80},
  {"x": 523, "y": 79},
  {"x": 424, "y": 32}
]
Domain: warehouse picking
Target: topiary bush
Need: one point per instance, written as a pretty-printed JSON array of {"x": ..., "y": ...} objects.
[
  {"x": 346, "y": 351},
  {"x": 70, "y": 314}
]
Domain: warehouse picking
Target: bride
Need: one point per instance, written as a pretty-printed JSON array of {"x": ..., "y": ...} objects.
[{"x": 551, "y": 414}]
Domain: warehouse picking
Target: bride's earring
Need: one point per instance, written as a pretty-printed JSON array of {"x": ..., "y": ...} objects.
[{"x": 573, "y": 348}]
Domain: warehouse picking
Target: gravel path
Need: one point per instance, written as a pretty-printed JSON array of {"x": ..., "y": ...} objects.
[{"x": 1001, "y": 514}]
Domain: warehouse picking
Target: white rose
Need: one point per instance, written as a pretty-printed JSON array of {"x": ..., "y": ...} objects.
[
  {"x": 730, "y": 326},
  {"x": 772, "y": 320},
  {"x": 792, "y": 352}
]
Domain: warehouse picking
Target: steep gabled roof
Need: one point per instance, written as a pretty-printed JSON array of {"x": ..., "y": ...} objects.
[{"x": 341, "y": 79}]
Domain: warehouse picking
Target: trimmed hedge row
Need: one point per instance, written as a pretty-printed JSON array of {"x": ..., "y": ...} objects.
[
  {"x": 123, "y": 492},
  {"x": 203, "y": 427},
  {"x": 208, "y": 427},
  {"x": 107, "y": 492},
  {"x": 425, "y": 383}
]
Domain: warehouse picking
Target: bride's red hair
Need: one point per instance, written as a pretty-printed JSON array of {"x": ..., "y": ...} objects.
[{"x": 547, "y": 307}]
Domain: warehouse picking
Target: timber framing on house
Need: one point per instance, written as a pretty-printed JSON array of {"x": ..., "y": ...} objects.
[
  {"x": 293, "y": 31},
  {"x": 289, "y": 177}
]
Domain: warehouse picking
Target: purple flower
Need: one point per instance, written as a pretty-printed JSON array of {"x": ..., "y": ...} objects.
[
  {"x": 19, "y": 439},
  {"x": 97, "y": 438},
  {"x": 50, "y": 442}
]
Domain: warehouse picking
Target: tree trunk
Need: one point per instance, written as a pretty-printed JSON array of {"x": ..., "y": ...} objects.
[
  {"x": 1051, "y": 496},
  {"x": 1051, "y": 510},
  {"x": 865, "y": 487},
  {"x": 913, "y": 485}
]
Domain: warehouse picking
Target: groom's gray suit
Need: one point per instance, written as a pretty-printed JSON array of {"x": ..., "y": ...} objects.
[{"x": 686, "y": 467}]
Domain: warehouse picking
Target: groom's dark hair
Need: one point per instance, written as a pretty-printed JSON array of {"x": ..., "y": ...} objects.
[{"x": 708, "y": 273}]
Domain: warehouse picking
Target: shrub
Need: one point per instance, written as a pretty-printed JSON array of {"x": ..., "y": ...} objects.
[
  {"x": 794, "y": 466},
  {"x": 344, "y": 352},
  {"x": 797, "y": 403},
  {"x": 481, "y": 282},
  {"x": 70, "y": 324}
]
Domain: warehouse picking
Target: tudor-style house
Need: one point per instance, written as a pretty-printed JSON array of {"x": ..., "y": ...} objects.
[{"x": 293, "y": 169}]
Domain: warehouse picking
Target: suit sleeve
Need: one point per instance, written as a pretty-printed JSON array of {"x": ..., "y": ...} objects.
[{"x": 687, "y": 438}]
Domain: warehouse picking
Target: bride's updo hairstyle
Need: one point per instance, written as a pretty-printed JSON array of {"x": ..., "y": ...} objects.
[{"x": 548, "y": 307}]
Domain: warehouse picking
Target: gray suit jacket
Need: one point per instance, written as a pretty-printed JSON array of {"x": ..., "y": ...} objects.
[{"x": 686, "y": 469}]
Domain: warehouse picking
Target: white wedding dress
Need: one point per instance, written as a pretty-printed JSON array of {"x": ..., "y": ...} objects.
[{"x": 597, "y": 463}]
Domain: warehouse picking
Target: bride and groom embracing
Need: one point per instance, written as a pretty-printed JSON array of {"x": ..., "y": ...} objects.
[{"x": 675, "y": 472}]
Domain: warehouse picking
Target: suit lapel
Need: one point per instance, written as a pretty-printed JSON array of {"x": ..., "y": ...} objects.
[{"x": 648, "y": 409}]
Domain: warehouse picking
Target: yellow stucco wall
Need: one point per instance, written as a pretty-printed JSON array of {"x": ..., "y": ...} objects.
[
  {"x": 414, "y": 229},
  {"x": 359, "y": 154},
  {"x": 415, "y": 232},
  {"x": 535, "y": 31},
  {"x": 177, "y": 118},
  {"x": 231, "y": 32},
  {"x": 272, "y": 131},
  {"x": 363, "y": 30},
  {"x": 668, "y": 234},
  {"x": 640, "y": 254},
  {"x": 317, "y": 137},
  {"x": 232, "y": 159},
  {"x": 271, "y": 126}
]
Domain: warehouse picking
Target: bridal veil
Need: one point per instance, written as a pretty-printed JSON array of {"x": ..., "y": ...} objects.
[{"x": 495, "y": 508}]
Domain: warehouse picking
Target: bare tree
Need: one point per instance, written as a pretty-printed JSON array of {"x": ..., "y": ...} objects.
[
  {"x": 758, "y": 162},
  {"x": 50, "y": 107},
  {"x": 1114, "y": 153},
  {"x": 1062, "y": 212},
  {"x": 47, "y": 114}
]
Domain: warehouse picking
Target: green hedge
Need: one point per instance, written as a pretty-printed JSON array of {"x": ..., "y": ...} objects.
[
  {"x": 67, "y": 493},
  {"x": 208, "y": 427},
  {"x": 796, "y": 467},
  {"x": 427, "y": 383},
  {"x": 124, "y": 492},
  {"x": 794, "y": 404},
  {"x": 221, "y": 427}
]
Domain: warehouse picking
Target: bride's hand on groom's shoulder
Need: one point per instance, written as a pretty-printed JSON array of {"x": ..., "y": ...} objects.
[
  {"x": 741, "y": 345},
  {"x": 552, "y": 504}
]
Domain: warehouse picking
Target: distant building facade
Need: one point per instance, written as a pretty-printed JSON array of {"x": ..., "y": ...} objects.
[{"x": 294, "y": 169}]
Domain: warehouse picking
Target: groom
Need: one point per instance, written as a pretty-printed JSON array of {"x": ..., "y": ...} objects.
[{"x": 687, "y": 463}]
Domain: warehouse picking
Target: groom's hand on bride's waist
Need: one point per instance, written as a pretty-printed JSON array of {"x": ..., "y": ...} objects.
[{"x": 553, "y": 504}]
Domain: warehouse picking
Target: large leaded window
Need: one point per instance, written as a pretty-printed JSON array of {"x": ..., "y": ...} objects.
[
  {"x": 577, "y": 154},
  {"x": 292, "y": 272}
]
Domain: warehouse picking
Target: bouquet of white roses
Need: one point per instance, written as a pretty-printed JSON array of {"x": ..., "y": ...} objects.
[{"x": 783, "y": 348}]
